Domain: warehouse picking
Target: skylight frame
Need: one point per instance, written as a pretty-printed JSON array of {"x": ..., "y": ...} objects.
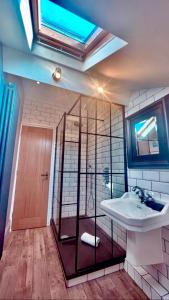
[{"x": 63, "y": 43}]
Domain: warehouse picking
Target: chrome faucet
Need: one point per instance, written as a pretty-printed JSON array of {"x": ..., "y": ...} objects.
[{"x": 141, "y": 194}]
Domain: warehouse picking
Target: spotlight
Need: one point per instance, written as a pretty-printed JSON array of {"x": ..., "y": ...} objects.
[
  {"x": 100, "y": 90},
  {"x": 57, "y": 74}
]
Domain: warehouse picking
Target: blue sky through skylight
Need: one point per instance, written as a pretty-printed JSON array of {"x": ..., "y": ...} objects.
[
  {"x": 63, "y": 21},
  {"x": 139, "y": 125}
]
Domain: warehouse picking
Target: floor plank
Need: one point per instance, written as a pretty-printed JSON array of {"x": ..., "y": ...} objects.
[
  {"x": 30, "y": 269},
  {"x": 23, "y": 289}
]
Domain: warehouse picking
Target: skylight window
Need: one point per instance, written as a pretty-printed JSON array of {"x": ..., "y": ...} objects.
[
  {"x": 57, "y": 27},
  {"x": 65, "y": 22}
]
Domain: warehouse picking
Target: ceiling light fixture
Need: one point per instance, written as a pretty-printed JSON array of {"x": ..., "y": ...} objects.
[
  {"x": 57, "y": 74},
  {"x": 100, "y": 90}
]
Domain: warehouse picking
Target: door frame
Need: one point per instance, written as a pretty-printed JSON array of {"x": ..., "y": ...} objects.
[{"x": 50, "y": 190}]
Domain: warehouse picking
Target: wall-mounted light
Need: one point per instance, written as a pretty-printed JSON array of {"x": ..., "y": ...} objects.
[{"x": 57, "y": 74}]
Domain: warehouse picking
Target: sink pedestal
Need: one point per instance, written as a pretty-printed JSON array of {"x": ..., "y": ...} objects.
[{"x": 144, "y": 248}]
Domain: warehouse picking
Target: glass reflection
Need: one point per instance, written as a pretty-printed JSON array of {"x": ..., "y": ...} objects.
[{"x": 146, "y": 137}]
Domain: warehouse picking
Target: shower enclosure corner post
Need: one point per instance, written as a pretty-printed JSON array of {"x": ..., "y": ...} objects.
[
  {"x": 95, "y": 219},
  {"x": 111, "y": 177},
  {"x": 78, "y": 185},
  {"x": 54, "y": 172},
  {"x": 125, "y": 148},
  {"x": 92, "y": 135},
  {"x": 111, "y": 169},
  {"x": 62, "y": 174},
  {"x": 87, "y": 142}
]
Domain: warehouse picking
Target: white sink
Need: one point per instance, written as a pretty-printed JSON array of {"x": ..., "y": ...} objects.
[{"x": 134, "y": 215}]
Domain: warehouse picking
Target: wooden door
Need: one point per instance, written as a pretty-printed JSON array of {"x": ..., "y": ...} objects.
[{"x": 32, "y": 184}]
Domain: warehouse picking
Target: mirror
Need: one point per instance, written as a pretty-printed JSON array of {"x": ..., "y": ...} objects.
[
  {"x": 146, "y": 135},
  {"x": 147, "y": 139}
]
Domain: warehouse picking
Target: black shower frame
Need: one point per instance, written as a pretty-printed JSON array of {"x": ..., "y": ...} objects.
[{"x": 57, "y": 234}]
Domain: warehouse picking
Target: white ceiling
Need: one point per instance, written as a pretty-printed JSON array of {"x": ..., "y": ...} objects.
[{"x": 144, "y": 24}]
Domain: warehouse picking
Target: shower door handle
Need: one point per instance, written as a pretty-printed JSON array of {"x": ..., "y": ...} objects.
[{"x": 45, "y": 175}]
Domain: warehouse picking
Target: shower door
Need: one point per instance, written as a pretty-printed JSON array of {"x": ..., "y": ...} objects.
[{"x": 89, "y": 168}]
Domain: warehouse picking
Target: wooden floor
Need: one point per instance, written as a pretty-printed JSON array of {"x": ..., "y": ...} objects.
[{"x": 30, "y": 269}]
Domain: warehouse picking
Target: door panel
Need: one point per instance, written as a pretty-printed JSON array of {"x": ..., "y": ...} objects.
[{"x": 32, "y": 185}]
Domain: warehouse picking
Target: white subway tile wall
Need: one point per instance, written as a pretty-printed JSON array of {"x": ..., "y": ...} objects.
[
  {"x": 41, "y": 111},
  {"x": 94, "y": 275},
  {"x": 156, "y": 283}
]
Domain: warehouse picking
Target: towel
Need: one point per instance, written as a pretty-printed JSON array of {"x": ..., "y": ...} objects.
[{"x": 90, "y": 239}]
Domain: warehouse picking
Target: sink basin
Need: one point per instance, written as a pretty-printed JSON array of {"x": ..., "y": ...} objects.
[{"x": 136, "y": 216}]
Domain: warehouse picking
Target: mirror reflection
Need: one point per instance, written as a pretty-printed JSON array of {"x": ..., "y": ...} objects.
[{"x": 147, "y": 142}]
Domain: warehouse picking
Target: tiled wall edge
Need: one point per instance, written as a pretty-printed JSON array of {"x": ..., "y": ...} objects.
[
  {"x": 151, "y": 287},
  {"x": 94, "y": 275},
  {"x": 155, "y": 180}
]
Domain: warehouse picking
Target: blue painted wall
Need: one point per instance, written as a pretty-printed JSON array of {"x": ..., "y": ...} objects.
[
  {"x": 9, "y": 111},
  {"x": 1, "y": 72},
  {"x": 1, "y": 60}
]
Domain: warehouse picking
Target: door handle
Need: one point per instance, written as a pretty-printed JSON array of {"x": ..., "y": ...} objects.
[{"x": 45, "y": 175}]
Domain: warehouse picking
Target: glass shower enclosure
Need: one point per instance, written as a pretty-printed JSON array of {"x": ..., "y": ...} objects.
[{"x": 90, "y": 166}]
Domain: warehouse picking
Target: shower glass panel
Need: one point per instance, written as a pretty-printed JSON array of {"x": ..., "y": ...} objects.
[{"x": 90, "y": 166}]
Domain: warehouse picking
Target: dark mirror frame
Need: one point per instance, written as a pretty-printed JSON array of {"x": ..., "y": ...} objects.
[{"x": 160, "y": 110}]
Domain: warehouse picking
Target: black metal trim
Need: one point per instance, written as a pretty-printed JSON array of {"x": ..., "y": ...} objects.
[
  {"x": 54, "y": 170},
  {"x": 67, "y": 171},
  {"x": 95, "y": 233},
  {"x": 74, "y": 105},
  {"x": 62, "y": 169},
  {"x": 60, "y": 120},
  {"x": 68, "y": 238},
  {"x": 89, "y": 118},
  {"x": 111, "y": 167},
  {"x": 125, "y": 151},
  {"x": 78, "y": 186},
  {"x": 86, "y": 173},
  {"x": 66, "y": 204},
  {"x": 91, "y": 217},
  {"x": 160, "y": 160},
  {"x": 111, "y": 152},
  {"x": 72, "y": 142},
  {"x": 92, "y": 173},
  {"x": 87, "y": 141},
  {"x": 103, "y": 135}
]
